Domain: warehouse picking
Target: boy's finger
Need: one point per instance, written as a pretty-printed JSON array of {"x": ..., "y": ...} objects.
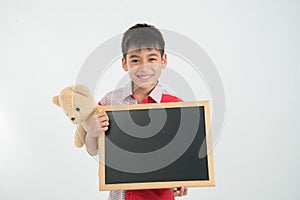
[
  {"x": 103, "y": 119},
  {"x": 179, "y": 194},
  {"x": 185, "y": 191},
  {"x": 182, "y": 189},
  {"x": 174, "y": 190},
  {"x": 104, "y": 124},
  {"x": 101, "y": 114}
]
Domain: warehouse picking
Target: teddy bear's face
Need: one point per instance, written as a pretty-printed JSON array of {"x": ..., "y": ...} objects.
[{"x": 76, "y": 104}]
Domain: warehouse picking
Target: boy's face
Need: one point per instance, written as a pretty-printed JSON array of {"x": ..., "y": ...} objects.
[{"x": 144, "y": 66}]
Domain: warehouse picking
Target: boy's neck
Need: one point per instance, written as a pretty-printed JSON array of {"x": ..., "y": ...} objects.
[{"x": 140, "y": 93}]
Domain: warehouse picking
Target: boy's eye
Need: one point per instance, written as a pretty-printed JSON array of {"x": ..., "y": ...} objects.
[
  {"x": 78, "y": 109},
  {"x": 152, "y": 59},
  {"x": 135, "y": 61}
]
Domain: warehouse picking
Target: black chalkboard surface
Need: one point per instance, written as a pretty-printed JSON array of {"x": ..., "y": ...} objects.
[{"x": 156, "y": 146}]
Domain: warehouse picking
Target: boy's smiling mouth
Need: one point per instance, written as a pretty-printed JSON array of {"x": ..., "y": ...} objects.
[{"x": 144, "y": 76}]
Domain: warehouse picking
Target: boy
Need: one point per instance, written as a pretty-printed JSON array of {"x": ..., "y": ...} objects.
[{"x": 143, "y": 59}]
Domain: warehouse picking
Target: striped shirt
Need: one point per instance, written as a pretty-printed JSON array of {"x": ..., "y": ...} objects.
[{"x": 124, "y": 96}]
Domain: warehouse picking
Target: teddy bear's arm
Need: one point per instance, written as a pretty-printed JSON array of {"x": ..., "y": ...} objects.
[{"x": 79, "y": 136}]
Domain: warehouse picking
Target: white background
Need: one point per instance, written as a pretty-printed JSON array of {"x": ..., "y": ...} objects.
[{"x": 255, "y": 46}]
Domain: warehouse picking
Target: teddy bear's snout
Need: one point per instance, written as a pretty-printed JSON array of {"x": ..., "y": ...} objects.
[{"x": 73, "y": 118}]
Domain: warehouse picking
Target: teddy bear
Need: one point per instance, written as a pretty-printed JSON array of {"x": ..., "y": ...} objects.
[{"x": 79, "y": 106}]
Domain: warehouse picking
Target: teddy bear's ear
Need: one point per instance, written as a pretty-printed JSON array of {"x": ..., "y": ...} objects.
[
  {"x": 81, "y": 89},
  {"x": 55, "y": 100}
]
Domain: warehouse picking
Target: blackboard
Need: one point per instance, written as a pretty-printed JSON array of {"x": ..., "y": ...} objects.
[{"x": 156, "y": 146}]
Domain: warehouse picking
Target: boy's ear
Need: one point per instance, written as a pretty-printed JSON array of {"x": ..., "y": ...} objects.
[
  {"x": 124, "y": 65},
  {"x": 164, "y": 60}
]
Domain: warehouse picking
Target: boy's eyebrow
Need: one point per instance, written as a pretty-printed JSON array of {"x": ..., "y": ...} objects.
[
  {"x": 133, "y": 56},
  {"x": 152, "y": 54},
  {"x": 136, "y": 56}
]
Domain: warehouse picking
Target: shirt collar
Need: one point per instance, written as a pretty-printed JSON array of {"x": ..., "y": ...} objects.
[{"x": 155, "y": 94}]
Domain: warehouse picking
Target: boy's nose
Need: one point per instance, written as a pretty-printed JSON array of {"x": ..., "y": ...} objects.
[{"x": 144, "y": 65}]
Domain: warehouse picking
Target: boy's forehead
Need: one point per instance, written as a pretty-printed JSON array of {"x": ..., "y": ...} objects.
[{"x": 137, "y": 51}]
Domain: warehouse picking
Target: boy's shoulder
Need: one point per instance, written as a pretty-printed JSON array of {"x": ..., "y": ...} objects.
[
  {"x": 167, "y": 95},
  {"x": 114, "y": 97}
]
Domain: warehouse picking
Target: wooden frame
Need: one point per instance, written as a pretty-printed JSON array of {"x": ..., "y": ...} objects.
[{"x": 168, "y": 184}]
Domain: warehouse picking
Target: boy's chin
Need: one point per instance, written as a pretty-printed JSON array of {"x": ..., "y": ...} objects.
[{"x": 145, "y": 85}]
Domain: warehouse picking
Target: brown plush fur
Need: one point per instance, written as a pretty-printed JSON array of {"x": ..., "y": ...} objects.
[{"x": 79, "y": 105}]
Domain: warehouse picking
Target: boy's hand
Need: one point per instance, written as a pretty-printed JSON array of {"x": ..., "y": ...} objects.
[
  {"x": 98, "y": 124},
  {"x": 180, "y": 191}
]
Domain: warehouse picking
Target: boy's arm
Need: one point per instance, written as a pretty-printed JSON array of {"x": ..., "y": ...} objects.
[
  {"x": 91, "y": 145},
  {"x": 98, "y": 124}
]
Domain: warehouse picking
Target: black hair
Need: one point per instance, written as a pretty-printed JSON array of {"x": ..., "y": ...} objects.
[{"x": 142, "y": 36}]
